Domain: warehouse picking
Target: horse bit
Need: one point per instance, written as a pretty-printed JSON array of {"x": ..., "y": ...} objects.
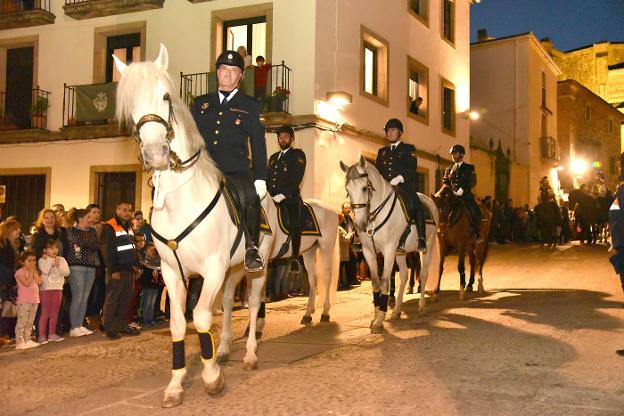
[{"x": 175, "y": 163}]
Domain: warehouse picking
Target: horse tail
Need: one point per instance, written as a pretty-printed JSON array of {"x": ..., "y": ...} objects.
[
  {"x": 433, "y": 268},
  {"x": 328, "y": 255}
]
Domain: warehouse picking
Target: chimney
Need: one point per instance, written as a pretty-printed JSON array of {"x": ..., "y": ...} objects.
[
  {"x": 547, "y": 44},
  {"x": 482, "y": 35}
]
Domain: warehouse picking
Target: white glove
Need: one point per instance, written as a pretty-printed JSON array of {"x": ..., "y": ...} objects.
[
  {"x": 459, "y": 192},
  {"x": 278, "y": 198},
  {"x": 397, "y": 180},
  {"x": 260, "y": 188}
]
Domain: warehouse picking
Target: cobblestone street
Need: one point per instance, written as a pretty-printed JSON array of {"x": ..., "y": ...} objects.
[{"x": 541, "y": 341}]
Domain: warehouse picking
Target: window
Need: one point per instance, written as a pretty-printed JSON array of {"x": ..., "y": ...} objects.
[
  {"x": 419, "y": 9},
  {"x": 249, "y": 33},
  {"x": 448, "y": 21},
  {"x": 125, "y": 47},
  {"x": 448, "y": 107},
  {"x": 422, "y": 180},
  {"x": 370, "y": 69},
  {"x": 110, "y": 185},
  {"x": 417, "y": 90},
  {"x": 374, "y": 67},
  {"x": 25, "y": 196}
]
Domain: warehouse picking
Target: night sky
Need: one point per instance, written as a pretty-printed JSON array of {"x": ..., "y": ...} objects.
[{"x": 569, "y": 23}]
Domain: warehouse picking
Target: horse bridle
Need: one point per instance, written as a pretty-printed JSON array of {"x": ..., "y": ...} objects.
[
  {"x": 175, "y": 163},
  {"x": 372, "y": 215}
]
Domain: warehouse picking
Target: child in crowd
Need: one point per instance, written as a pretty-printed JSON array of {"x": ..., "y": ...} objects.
[
  {"x": 28, "y": 279},
  {"x": 139, "y": 239},
  {"x": 54, "y": 269},
  {"x": 151, "y": 283}
]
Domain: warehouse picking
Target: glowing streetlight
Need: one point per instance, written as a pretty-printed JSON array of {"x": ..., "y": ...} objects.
[
  {"x": 579, "y": 166},
  {"x": 474, "y": 115}
]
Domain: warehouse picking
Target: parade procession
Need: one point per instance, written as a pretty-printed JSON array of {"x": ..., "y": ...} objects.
[{"x": 311, "y": 207}]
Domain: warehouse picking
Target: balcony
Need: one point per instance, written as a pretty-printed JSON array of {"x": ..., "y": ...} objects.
[
  {"x": 548, "y": 148},
  {"x": 88, "y": 9},
  {"x": 24, "y": 115},
  {"x": 89, "y": 112},
  {"x": 25, "y": 13},
  {"x": 271, "y": 87}
]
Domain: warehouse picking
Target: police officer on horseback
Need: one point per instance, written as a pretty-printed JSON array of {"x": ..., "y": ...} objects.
[
  {"x": 546, "y": 192},
  {"x": 461, "y": 177},
  {"x": 397, "y": 164},
  {"x": 286, "y": 169},
  {"x": 229, "y": 121}
]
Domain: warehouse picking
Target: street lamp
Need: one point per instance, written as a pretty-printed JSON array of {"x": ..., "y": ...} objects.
[{"x": 579, "y": 166}]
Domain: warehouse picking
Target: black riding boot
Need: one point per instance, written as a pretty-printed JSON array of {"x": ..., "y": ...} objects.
[
  {"x": 295, "y": 267},
  {"x": 476, "y": 222},
  {"x": 253, "y": 260},
  {"x": 418, "y": 215}
]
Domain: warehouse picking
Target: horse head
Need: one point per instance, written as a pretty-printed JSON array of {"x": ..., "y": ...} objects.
[
  {"x": 359, "y": 190},
  {"x": 445, "y": 200}
]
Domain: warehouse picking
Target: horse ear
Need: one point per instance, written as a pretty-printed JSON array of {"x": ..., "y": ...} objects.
[
  {"x": 163, "y": 58},
  {"x": 121, "y": 67},
  {"x": 344, "y": 167},
  {"x": 362, "y": 161}
]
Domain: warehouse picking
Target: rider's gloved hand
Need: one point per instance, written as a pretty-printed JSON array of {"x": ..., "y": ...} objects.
[
  {"x": 260, "y": 186},
  {"x": 459, "y": 192},
  {"x": 397, "y": 180},
  {"x": 278, "y": 198}
]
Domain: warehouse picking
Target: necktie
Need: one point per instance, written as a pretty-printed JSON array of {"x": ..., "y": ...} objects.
[
  {"x": 226, "y": 94},
  {"x": 280, "y": 155},
  {"x": 393, "y": 148}
]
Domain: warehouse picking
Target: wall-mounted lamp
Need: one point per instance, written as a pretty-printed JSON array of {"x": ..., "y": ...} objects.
[
  {"x": 339, "y": 98},
  {"x": 472, "y": 115}
]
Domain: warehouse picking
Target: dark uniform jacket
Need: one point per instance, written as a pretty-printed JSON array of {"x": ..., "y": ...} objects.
[
  {"x": 227, "y": 129},
  {"x": 464, "y": 177},
  {"x": 401, "y": 161},
  {"x": 286, "y": 173}
]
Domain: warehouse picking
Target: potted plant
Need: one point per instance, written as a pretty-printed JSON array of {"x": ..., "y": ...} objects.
[
  {"x": 39, "y": 113},
  {"x": 277, "y": 99}
]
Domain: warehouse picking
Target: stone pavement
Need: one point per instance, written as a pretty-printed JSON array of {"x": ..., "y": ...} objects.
[{"x": 541, "y": 341}]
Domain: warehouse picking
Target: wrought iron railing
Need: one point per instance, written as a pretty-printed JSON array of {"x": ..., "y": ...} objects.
[
  {"x": 16, "y": 6},
  {"x": 273, "y": 94},
  {"x": 24, "y": 110},
  {"x": 93, "y": 109},
  {"x": 548, "y": 148}
]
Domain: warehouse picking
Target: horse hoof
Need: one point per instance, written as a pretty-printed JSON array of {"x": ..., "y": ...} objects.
[
  {"x": 223, "y": 358},
  {"x": 306, "y": 320},
  {"x": 469, "y": 289},
  {"x": 324, "y": 318},
  {"x": 395, "y": 316},
  {"x": 216, "y": 386},
  {"x": 172, "y": 399},
  {"x": 410, "y": 290},
  {"x": 258, "y": 334},
  {"x": 250, "y": 365},
  {"x": 371, "y": 324},
  {"x": 376, "y": 329}
]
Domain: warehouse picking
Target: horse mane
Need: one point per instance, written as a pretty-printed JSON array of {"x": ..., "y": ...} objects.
[{"x": 137, "y": 86}]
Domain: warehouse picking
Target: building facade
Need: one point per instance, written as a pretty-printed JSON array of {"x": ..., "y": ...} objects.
[
  {"x": 589, "y": 135},
  {"x": 383, "y": 56},
  {"x": 514, "y": 88}
]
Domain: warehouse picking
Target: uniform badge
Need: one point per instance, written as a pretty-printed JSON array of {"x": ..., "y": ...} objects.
[
  {"x": 205, "y": 106},
  {"x": 301, "y": 161},
  {"x": 230, "y": 56},
  {"x": 237, "y": 122},
  {"x": 413, "y": 154}
]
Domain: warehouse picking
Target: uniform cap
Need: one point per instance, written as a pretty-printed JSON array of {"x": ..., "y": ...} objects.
[
  {"x": 458, "y": 148},
  {"x": 231, "y": 58},
  {"x": 285, "y": 129},
  {"x": 393, "y": 123}
]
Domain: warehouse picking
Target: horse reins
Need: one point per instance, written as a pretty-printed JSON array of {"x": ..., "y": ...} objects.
[{"x": 175, "y": 163}]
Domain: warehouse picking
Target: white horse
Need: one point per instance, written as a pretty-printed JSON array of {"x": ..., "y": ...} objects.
[
  {"x": 379, "y": 223},
  {"x": 188, "y": 189},
  {"x": 322, "y": 247}
]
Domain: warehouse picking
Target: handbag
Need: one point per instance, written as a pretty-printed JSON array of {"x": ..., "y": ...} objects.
[{"x": 9, "y": 309}]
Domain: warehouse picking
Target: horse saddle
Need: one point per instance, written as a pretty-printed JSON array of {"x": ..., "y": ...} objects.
[
  {"x": 309, "y": 223},
  {"x": 234, "y": 206},
  {"x": 408, "y": 215}
]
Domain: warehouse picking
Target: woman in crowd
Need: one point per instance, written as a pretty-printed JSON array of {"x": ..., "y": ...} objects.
[
  {"x": 54, "y": 269},
  {"x": 47, "y": 228},
  {"x": 10, "y": 231},
  {"x": 28, "y": 279},
  {"x": 82, "y": 256}
]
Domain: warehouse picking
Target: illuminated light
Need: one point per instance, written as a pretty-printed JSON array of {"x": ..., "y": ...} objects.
[
  {"x": 560, "y": 168},
  {"x": 596, "y": 164},
  {"x": 579, "y": 166},
  {"x": 339, "y": 98},
  {"x": 328, "y": 111},
  {"x": 474, "y": 115}
]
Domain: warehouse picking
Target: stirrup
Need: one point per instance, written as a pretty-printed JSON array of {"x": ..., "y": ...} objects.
[
  {"x": 253, "y": 260},
  {"x": 295, "y": 266},
  {"x": 422, "y": 248}
]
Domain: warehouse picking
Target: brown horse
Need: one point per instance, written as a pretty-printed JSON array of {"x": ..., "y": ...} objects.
[{"x": 455, "y": 232}]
